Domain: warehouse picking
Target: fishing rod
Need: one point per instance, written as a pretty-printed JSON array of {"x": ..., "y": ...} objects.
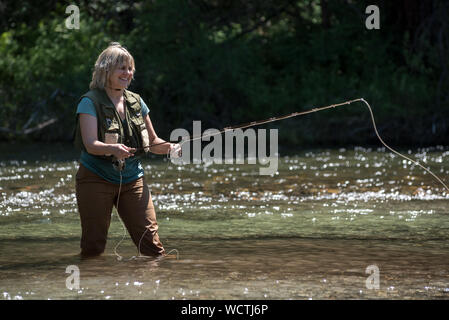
[
  {"x": 296, "y": 114},
  {"x": 273, "y": 119},
  {"x": 256, "y": 123}
]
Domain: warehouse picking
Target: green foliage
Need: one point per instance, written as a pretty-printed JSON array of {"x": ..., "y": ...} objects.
[
  {"x": 226, "y": 63},
  {"x": 44, "y": 71}
]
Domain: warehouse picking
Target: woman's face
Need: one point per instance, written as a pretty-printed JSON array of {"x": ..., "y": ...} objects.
[{"x": 121, "y": 77}]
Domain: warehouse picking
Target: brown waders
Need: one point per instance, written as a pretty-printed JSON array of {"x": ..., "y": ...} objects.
[{"x": 96, "y": 198}]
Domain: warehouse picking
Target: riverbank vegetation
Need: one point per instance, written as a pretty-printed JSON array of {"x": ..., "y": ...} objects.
[{"x": 231, "y": 62}]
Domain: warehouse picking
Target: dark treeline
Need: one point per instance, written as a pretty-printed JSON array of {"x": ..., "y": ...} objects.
[{"x": 230, "y": 62}]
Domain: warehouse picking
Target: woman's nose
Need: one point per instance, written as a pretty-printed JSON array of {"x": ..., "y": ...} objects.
[{"x": 127, "y": 71}]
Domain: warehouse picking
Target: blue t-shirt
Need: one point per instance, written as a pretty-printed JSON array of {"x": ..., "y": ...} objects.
[{"x": 133, "y": 168}]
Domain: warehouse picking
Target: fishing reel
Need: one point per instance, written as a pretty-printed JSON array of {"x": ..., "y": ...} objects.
[{"x": 118, "y": 165}]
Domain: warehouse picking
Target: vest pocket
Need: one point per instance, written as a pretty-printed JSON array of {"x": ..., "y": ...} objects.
[
  {"x": 141, "y": 132},
  {"x": 145, "y": 138},
  {"x": 110, "y": 138},
  {"x": 112, "y": 132}
]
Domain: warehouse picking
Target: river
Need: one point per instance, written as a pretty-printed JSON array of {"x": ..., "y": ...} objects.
[{"x": 348, "y": 223}]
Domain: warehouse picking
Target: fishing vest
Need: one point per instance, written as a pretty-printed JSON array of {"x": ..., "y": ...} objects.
[{"x": 132, "y": 132}]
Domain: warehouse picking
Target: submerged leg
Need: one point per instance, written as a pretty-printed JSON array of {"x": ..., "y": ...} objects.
[
  {"x": 137, "y": 212},
  {"x": 95, "y": 198}
]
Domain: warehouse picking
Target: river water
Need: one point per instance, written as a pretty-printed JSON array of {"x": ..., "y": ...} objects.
[{"x": 353, "y": 223}]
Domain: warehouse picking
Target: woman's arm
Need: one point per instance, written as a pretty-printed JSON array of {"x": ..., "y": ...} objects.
[
  {"x": 88, "y": 126},
  {"x": 163, "y": 147}
]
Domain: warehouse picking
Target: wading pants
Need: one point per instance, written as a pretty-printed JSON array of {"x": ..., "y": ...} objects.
[{"x": 96, "y": 198}]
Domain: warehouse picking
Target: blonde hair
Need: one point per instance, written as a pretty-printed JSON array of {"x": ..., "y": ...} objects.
[{"x": 111, "y": 58}]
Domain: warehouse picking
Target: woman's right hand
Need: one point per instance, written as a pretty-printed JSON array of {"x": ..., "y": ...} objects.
[{"x": 120, "y": 151}]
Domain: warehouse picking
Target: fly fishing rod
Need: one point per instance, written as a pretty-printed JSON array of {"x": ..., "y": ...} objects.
[
  {"x": 296, "y": 114},
  {"x": 273, "y": 119}
]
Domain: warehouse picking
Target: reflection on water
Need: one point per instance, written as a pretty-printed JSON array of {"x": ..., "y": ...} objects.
[{"x": 307, "y": 232}]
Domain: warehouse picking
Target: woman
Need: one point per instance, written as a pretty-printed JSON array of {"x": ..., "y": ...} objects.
[{"x": 113, "y": 127}]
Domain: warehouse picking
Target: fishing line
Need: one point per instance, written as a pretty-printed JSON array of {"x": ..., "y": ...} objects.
[
  {"x": 119, "y": 257},
  {"x": 269, "y": 120},
  {"x": 139, "y": 254},
  {"x": 295, "y": 114},
  {"x": 398, "y": 153}
]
